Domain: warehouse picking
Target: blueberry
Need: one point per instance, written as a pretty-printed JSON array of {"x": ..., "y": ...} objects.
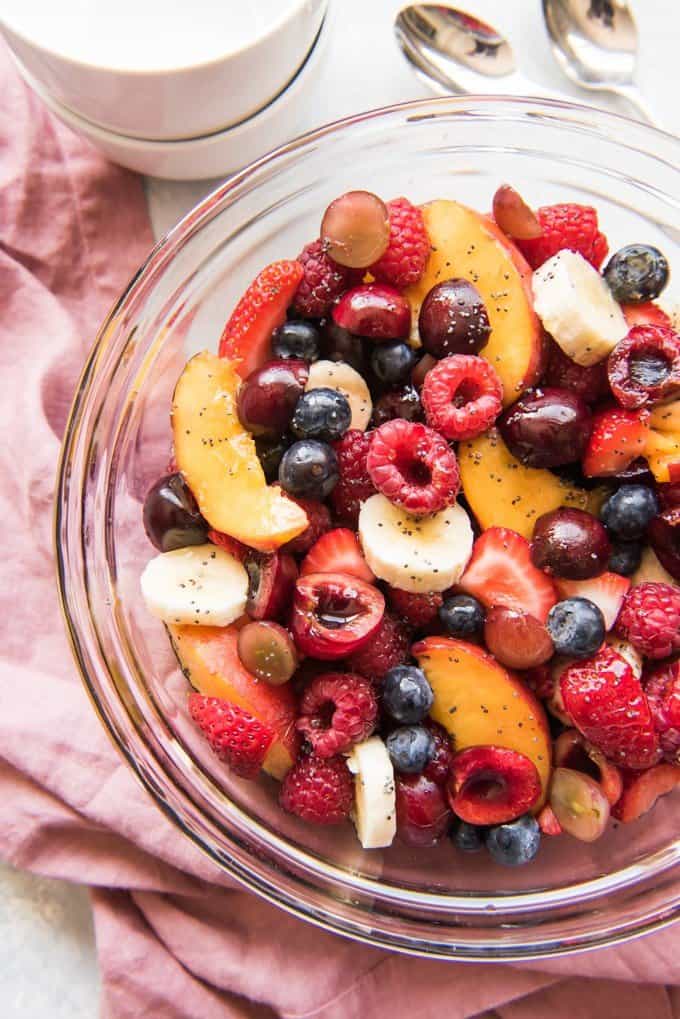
[
  {"x": 270, "y": 452},
  {"x": 462, "y": 615},
  {"x": 514, "y": 843},
  {"x": 629, "y": 511},
  {"x": 411, "y": 748},
  {"x": 298, "y": 340},
  {"x": 576, "y": 626},
  {"x": 393, "y": 361},
  {"x": 467, "y": 837},
  {"x": 625, "y": 558},
  {"x": 309, "y": 469},
  {"x": 407, "y": 695},
  {"x": 323, "y": 414},
  {"x": 636, "y": 273}
]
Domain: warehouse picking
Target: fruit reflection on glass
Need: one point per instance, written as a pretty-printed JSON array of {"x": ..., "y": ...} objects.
[{"x": 423, "y": 497}]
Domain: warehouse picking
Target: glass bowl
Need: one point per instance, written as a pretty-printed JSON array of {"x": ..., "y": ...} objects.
[{"x": 433, "y": 903}]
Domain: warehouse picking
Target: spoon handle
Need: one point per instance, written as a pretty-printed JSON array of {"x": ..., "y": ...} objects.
[{"x": 632, "y": 94}]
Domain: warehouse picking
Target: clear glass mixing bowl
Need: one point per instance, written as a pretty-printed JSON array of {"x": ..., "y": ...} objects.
[{"x": 435, "y": 902}]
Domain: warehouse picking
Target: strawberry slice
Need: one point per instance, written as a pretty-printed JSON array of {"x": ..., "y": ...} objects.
[
  {"x": 607, "y": 704},
  {"x": 337, "y": 551},
  {"x": 606, "y": 591},
  {"x": 617, "y": 438},
  {"x": 236, "y": 736},
  {"x": 645, "y": 314},
  {"x": 501, "y": 572},
  {"x": 247, "y": 334},
  {"x": 641, "y": 791}
]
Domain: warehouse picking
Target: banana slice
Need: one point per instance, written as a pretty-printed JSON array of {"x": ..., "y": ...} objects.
[
  {"x": 417, "y": 554},
  {"x": 202, "y": 585},
  {"x": 576, "y": 307},
  {"x": 375, "y": 809},
  {"x": 341, "y": 376}
]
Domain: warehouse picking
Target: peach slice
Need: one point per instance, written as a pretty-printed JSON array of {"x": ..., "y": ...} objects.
[
  {"x": 502, "y": 492},
  {"x": 208, "y": 656},
  {"x": 480, "y": 703},
  {"x": 217, "y": 458},
  {"x": 642, "y": 789},
  {"x": 468, "y": 245},
  {"x": 663, "y": 442}
]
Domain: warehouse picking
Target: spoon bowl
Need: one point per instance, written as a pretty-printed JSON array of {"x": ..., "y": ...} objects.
[
  {"x": 453, "y": 51},
  {"x": 595, "y": 42}
]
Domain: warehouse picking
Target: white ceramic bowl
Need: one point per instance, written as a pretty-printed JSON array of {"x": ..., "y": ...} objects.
[
  {"x": 162, "y": 69},
  {"x": 213, "y": 155}
]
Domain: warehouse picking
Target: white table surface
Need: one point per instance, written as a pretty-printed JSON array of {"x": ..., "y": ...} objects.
[{"x": 47, "y": 957}]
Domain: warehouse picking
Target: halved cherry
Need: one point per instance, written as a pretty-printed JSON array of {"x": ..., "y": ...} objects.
[
  {"x": 268, "y": 651},
  {"x": 579, "y": 804},
  {"x": 492, "y": 785},
  {"x": 334, "y": 614},
  {"x": 572, "y": 751},
  {"x": 272, "y": 578}
]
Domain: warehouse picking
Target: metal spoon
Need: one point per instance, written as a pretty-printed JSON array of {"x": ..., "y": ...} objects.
[
  {"x": 452, "y": 51},
  {"x": 595, "y": 42}
]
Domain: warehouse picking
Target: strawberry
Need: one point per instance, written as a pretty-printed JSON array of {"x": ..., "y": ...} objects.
[
  {"x": 606, "y": 591},
  {"x": 236, "y": 736},
  {"x": 641, "y": 791},
  {"x": 645, "y": 314},
  {"x": 501, "y": 572},
  {"x": 247, "y": 334},
  {"x": 337, "y": 551},
  {"x": 617, "y": 438},
  {"x": 607, "y": 704}
]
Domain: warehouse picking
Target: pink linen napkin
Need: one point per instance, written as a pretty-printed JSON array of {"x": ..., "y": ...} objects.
[{"x": 176, "y": 939}]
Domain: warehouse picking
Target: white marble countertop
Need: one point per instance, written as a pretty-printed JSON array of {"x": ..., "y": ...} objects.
[{"x": 47, "y": 955}]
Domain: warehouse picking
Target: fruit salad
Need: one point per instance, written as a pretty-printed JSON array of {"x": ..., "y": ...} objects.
[{"x": 419, "y": 537}]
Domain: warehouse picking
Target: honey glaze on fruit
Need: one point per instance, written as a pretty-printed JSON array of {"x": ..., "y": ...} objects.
[{"x": 418, "y": 548}]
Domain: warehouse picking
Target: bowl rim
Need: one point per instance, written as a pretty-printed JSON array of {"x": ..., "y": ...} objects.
[
  {"x": 274, "y": 107},
  {"x": 294, "y": 9},
  {"x": 630, "y": 878}
]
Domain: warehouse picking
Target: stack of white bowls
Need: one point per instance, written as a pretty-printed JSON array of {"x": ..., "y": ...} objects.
[{"x": 172, "y": 88}]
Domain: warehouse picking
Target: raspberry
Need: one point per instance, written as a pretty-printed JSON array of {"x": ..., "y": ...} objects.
[
  {"x": 650, "y": 619},
  {"x": 236, "y": 736},
  {"x": 319, "y": 791},
  {"x": 568, "y": 226},
  {"x": 589, "y": 383},
  {"x": 644, "y": 367},
  {"x": 662, "y": 687},
  {"x": 462, "y": 396},
  {"x": 439, "y": 768},
  {"x": 606, "y": 702},
  {"x": 354, "y": 485},
  {"x": 416, "y": 609},
  {"x": 323, "y": 281},
  {"x": 413, "y": 466},
  {"x": 387, "y": 648},
  {"x": 337, "y": 710},
  {"x": 409, "y": 247},
  {"x": 229, "y": 544},
  {"x": 319, "y": 522}
]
